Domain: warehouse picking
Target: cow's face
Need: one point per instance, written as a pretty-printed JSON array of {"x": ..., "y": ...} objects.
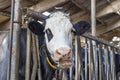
[{"x": 58, "y": 36}]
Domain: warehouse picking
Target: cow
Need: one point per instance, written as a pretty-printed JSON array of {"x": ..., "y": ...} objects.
[{"x": 55, "y": 37}]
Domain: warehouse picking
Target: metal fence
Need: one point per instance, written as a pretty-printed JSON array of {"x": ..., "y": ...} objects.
[{"x": 99, "y": 59}]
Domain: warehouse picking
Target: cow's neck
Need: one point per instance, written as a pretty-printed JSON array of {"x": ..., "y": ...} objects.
[
  {"x": 48, "y": 71},
  {"x": 49, "y": 60}
]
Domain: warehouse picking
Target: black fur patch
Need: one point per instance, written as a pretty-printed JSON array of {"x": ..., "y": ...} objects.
[{"x": 49, "y": 34}]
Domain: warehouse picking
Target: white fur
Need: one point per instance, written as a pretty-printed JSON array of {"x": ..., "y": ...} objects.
[{"x": 61, "y": 27}]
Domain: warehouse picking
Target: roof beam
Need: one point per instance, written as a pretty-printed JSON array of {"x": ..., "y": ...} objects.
[
  {"x": 5, "y": 25},
  {"x": 108, "y": 28},
  {"x": 112, "y": 7},
  {"x": 78, "y": 5},
  {"x": 80, "y": 16},
  {"x": 47, "y": 4}
]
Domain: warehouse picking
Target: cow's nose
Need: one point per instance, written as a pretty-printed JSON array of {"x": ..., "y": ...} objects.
[{"x": 63, "y": 52}]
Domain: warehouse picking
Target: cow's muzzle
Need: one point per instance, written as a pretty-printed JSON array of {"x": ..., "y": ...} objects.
[{"x": 64, "y": 57}]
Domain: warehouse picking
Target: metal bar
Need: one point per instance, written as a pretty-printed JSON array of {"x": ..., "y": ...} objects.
[
  {"x": 106, "y": 51},
  {"x": 76, "y": 60},
  {"x": 99, "y": 40},
  {"x": 71, "y": 73},
  {"x": 34, "y": 52},
  {"x": 34, "y": 14},
  {"x": 16, "y": 41},
  {"x": 38, "y": 56},
  {"x": 95, "y": 57},
  {"x": 90, "y": 58},
  {"x": 10, "y": 39},
  {"x": 5, "y": 31},
  {"x": 28, "y": 44},
  {"x": 113, "y": 65},
  {"x": 64, "y": 75},
  {"x": 100, "y": 61},
  {"x": 93, "y": 17},
  {"x": 86, "y": 59}
]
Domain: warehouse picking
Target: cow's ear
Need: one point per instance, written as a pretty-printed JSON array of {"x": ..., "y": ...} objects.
[
  {"x": 36, "y": 27},
  {"x": 81, "y": 27}
]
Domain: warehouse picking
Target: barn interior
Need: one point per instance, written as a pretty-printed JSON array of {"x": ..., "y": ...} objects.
[
  {"x": 107, "y": 14},
  {"x": 106, "y": 25}
]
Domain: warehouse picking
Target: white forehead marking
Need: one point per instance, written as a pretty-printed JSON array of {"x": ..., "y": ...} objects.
[{"x": 58, "y": 20}]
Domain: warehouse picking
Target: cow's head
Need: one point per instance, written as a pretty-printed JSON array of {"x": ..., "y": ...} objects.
[{"x": 59, "y": 32}]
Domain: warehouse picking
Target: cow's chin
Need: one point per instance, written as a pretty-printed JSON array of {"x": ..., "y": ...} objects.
[{"x": 65, "y": 63}]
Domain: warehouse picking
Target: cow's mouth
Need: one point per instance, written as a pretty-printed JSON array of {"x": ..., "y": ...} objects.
[{"x": 65, "y": 63}]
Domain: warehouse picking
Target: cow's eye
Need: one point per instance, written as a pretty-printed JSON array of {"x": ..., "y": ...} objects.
[
  {"x": 73, "y": 30},
  {"x": 49, "y": 34}
]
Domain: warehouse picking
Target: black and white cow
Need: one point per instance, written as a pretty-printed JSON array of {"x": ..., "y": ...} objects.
[{"x": 58, "y": 34}]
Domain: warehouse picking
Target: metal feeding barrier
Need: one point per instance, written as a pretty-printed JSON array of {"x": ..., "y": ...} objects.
[
  {"x": 97, "y": 64},
  {"x": 99, "y": 59}
]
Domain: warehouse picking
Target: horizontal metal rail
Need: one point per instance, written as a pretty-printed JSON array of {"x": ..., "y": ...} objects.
[
  {"x": 99, "y": 40},
  {"x": 4, "y": 31},
  {"x": 34, "y": 14}
]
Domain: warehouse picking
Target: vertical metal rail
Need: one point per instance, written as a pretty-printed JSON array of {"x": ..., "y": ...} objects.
[
  {"x": 10, "y": 40},
  {"x": 113, "y": 65},
  {"x": 71, "y": 73},
  {"x": 77, "y": 77},
  {"x": 93, "y": 21},
  {"x": 104, "y": 62},
  {"x": 109, "y": 66},
  {"x": 64, "y": 75},
  {"x": 86, "y": 59},
  {"x": 38, "y": 56},
  {"x": 16, "y": 41},
  {"x": 100, "y": 61},
  {"x": 93, "y": 17},
  {"x": 111, "y": 62},
  {"x": 79, "y": 74},
  {"x": 108, "y": 63},
  {"x": 28, "y": 44},
  {"x": 90, "y": 58},
  {"x": 34, "y": 52},
  {"x": 95, "y": 57}
]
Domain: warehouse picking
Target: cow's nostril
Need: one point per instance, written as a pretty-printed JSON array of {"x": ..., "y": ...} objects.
[
  {"x": 69, "y": 52},
  {"x": 58, "y": 52}
]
